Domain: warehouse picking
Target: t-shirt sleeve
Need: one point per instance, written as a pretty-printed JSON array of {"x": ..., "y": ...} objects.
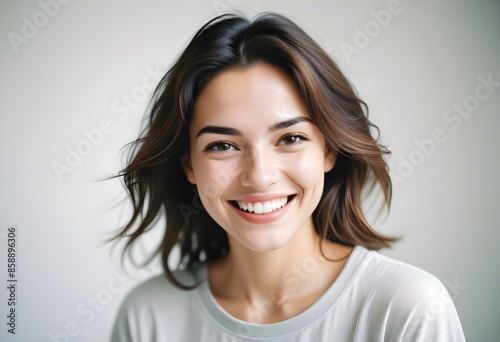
[
  {"x": 154, "y": 311},
  {"x": 140, "y": 311},
  {"x": 128, "y": 326},
  {"x": 121, "y": 329},
  {"x": 429, "y": 311}
]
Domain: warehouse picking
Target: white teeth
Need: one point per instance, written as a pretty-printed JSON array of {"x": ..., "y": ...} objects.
[
  {"x": 274, "y": 206},
  {"x": 258, "y": 208},
  {"x": 263, "y": 207}
]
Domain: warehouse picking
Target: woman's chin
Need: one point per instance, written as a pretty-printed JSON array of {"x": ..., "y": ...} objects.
[{"x": 262, "y": 242}]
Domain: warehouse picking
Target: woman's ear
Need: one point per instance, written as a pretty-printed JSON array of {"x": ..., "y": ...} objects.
[
  {"x": 330, "y": 159},
  {"x": 188, "y": 169}
]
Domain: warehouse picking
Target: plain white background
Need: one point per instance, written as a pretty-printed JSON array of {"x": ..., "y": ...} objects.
[{"x": 70, "y": 69}]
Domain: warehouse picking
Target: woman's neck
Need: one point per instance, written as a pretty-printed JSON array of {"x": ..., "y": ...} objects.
[{"x": 266, "y": 287}]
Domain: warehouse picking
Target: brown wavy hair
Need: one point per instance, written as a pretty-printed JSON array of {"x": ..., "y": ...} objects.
[{"x": 154, "y": 176}]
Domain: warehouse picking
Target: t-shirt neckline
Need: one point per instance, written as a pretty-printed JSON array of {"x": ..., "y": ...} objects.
[{"x": 242, "y": 329}]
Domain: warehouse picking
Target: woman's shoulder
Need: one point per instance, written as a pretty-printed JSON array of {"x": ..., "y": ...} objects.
[
  {"x": 400, "y": 284},
  {"x": 155, "y": 309},
  {"x": 412, "y": 301},
  {"x": 383, "y": 270},
  {"x": 159, "y": 288}
]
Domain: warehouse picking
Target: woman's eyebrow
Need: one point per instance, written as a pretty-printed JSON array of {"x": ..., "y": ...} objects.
[
  {"x": 219, "y": 130},
  {"x": 233, "y": 131},
  {"x": 288, "y": 123}
]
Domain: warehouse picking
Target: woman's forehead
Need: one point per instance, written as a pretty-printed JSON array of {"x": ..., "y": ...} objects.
[{"x": 260, "y": 93}]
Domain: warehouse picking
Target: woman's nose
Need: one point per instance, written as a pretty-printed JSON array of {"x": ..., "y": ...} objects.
[{"x": 259, "y": 169}]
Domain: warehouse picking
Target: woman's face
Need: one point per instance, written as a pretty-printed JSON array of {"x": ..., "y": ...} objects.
[{"x": 256, "y": 158}]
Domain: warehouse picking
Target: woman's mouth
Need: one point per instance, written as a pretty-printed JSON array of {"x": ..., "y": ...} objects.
[{"x": 263, "y": 207}]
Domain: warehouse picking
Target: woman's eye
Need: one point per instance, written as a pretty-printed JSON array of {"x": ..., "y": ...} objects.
[
  {"x": 292, "y": 139},
  {"x": 220, "y": 147}
]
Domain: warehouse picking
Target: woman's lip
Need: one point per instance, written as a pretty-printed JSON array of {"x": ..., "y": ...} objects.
[
  {"x": 265, "y": 217},
  {"x": 262, "y": 198}
]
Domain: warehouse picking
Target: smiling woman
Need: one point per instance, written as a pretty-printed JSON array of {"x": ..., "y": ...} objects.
[
  {"x": 279, "y": 157},
  {"x": 259, "y": 120}
]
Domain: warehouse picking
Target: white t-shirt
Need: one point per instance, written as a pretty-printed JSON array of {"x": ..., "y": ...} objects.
[{"x": 375, "y": 298}]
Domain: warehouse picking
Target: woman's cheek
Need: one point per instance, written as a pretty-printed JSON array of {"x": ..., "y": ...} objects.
[
  {"x": 215, "y": 176},
  {"x": 305, "y": 167}
]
